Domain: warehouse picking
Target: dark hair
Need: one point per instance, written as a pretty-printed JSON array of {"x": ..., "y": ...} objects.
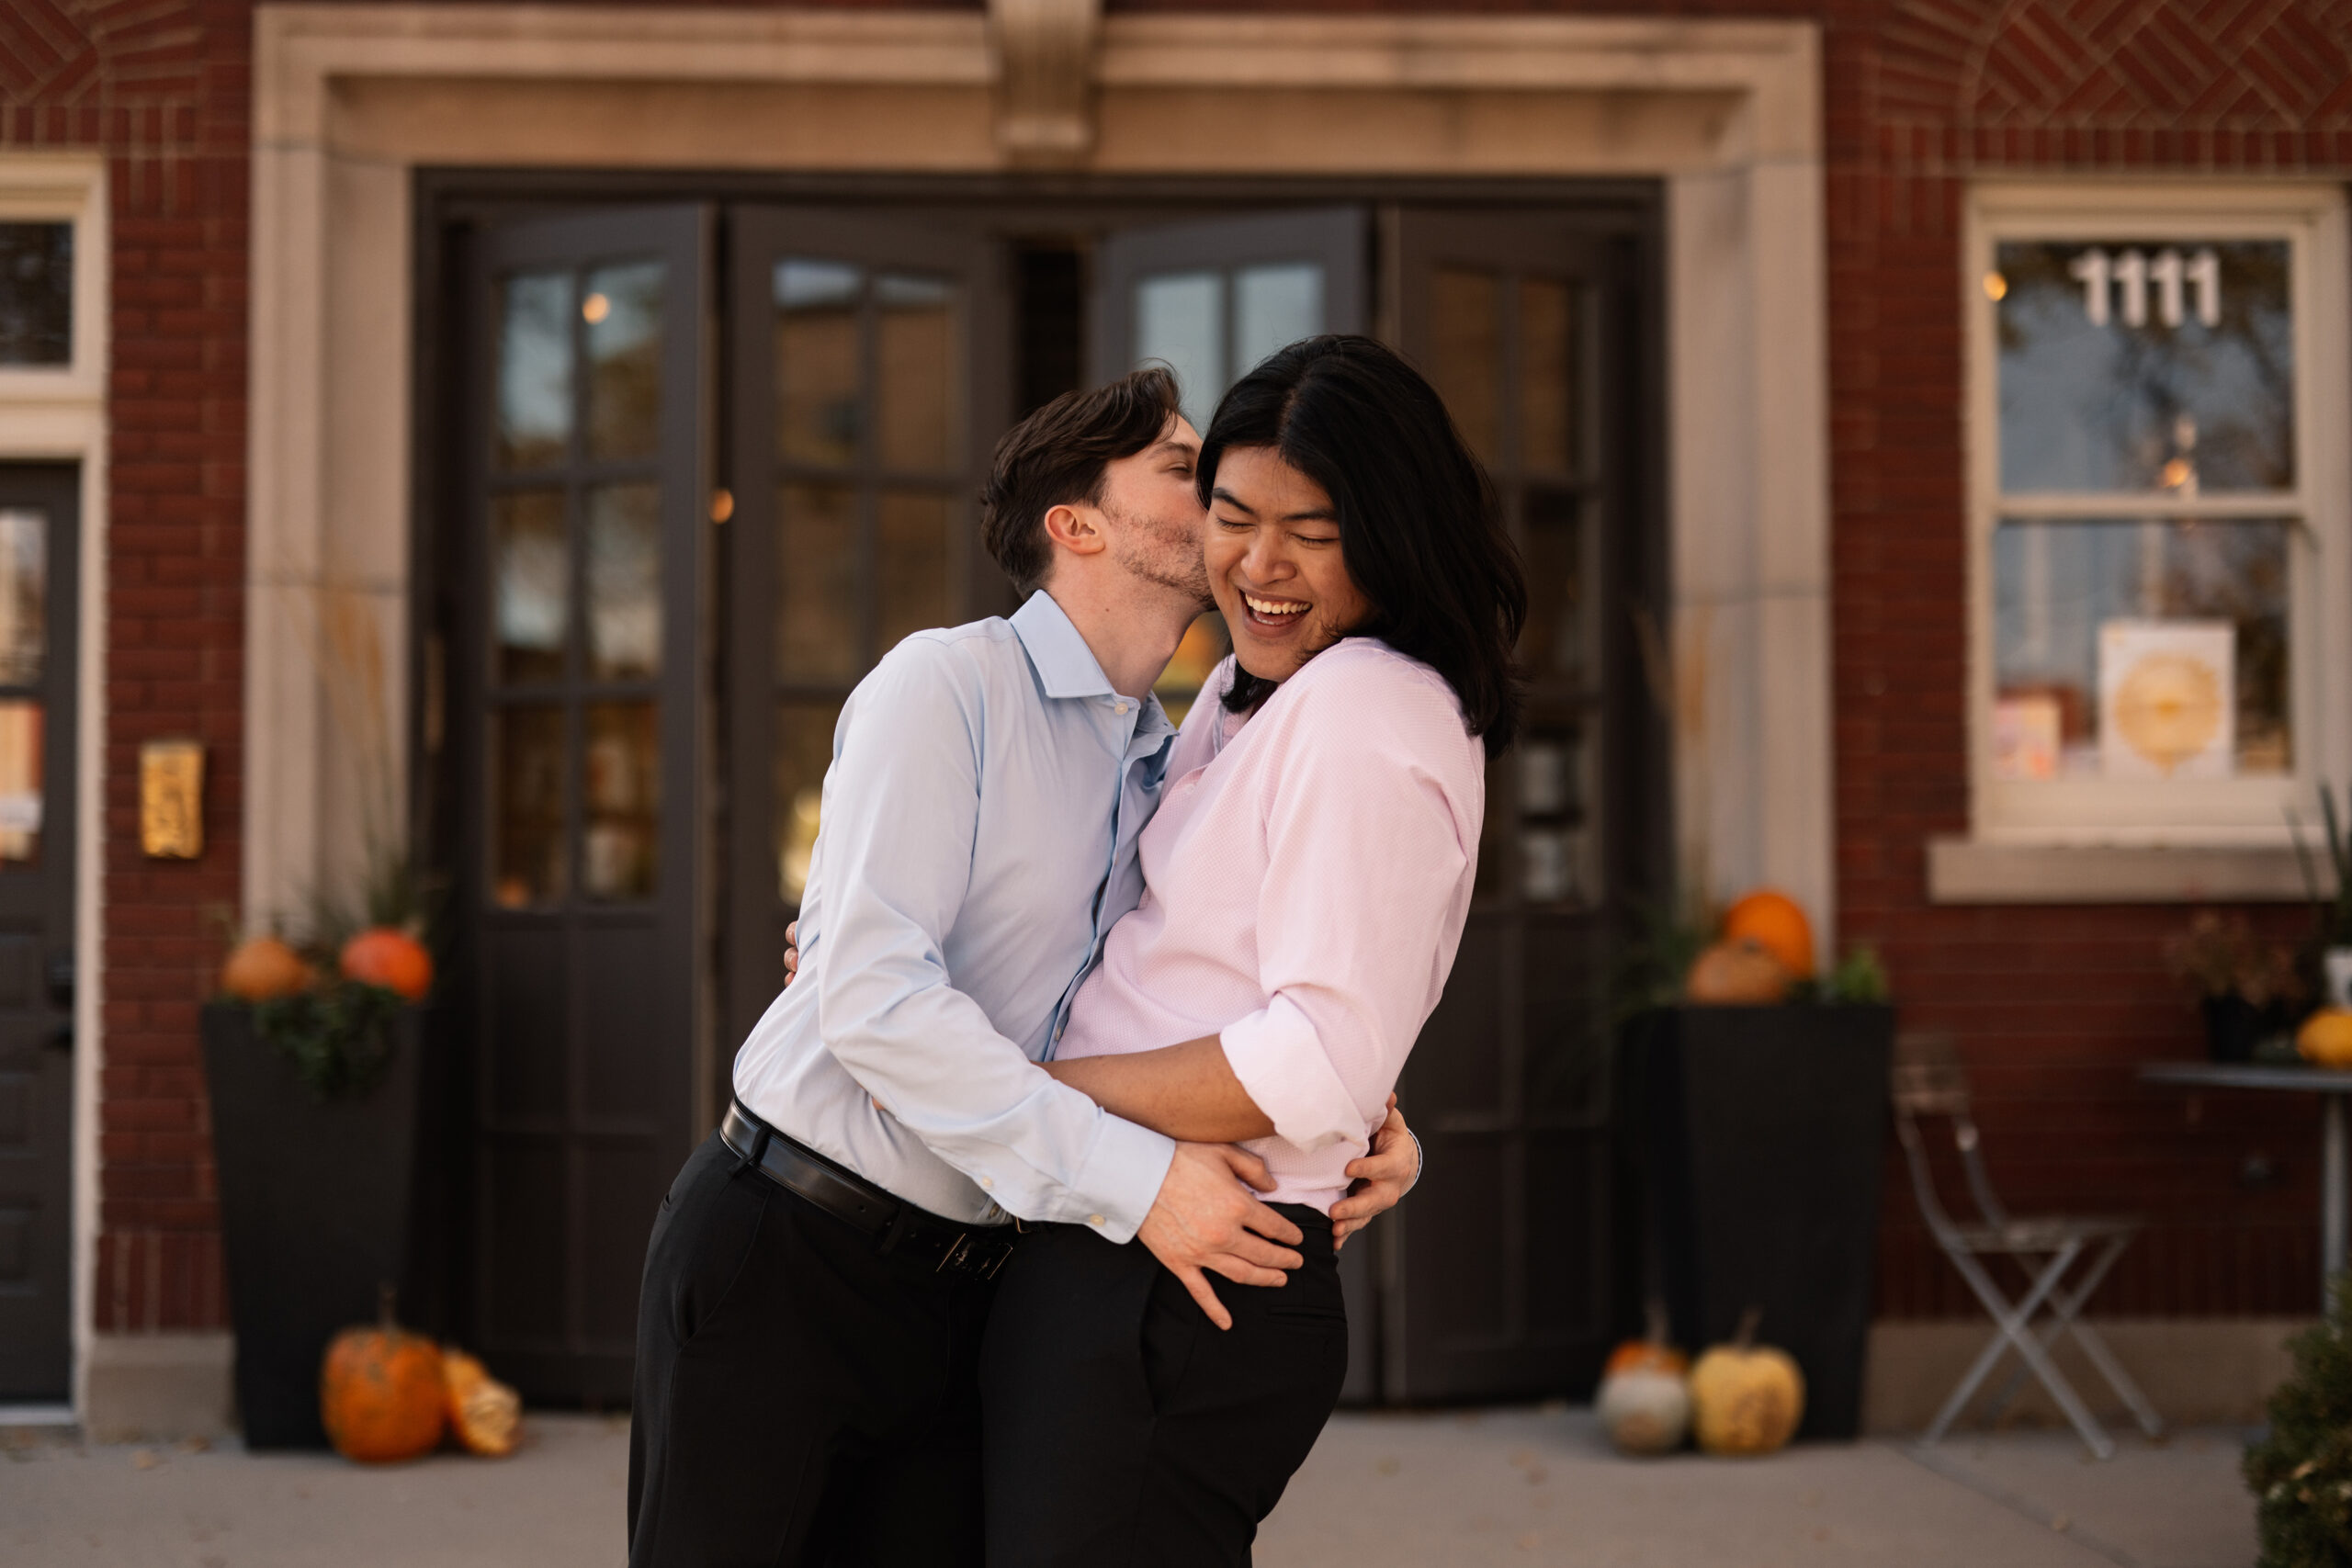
[
  {"x": 1057, "y": 456},
  {"x": 1420, "y": 530}
]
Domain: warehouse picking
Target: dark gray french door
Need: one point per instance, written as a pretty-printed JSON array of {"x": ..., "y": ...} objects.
[
  {"x": 1497, "y": 1279},
  {"x": 38, "y": 533},
  {"x": 1210, "y": 298},
  {"x": 869, "y": 382},
  {"x": 1502, "y": 1268},
  {"x": 610, "y": 915},
  {"x": 578, "y": 673}
]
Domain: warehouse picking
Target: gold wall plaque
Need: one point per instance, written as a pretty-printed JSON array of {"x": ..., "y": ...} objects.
[{"x": 171, "y": 799}]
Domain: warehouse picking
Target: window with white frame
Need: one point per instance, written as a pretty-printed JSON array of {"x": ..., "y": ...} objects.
[
  {"x": 52, "y": 278},
  {"x": 2156, "y": 499}
]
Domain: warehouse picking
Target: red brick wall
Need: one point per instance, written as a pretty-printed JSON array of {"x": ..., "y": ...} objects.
[
  {"x": 2053, "y": 1006},
  {"x": 161, "y": 87}
]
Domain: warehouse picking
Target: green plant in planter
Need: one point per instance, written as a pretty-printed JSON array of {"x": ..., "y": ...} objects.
[
  {"x": 1651, "y": 966},
  {"x": 1858, "y": 978},
  {"x": 338, "y": 1035},
  {"x": 328, "y": 1000},
  {"x": 1651, "y": 971},
  {"x": 2301, "y": 1469}
]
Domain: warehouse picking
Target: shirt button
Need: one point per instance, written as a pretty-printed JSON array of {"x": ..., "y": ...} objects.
[
  {"x": 1093, "y": 1219},
  {"x": 1122, "y": 707},
  {"x": 988, "y": 1184},
  {"x": 1061, "y": 1029}
]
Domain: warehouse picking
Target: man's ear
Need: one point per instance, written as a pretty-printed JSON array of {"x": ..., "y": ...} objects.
[{"x": 1076, "y": 529}]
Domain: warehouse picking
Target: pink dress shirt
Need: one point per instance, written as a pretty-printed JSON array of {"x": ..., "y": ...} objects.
[{"x": 1307, "y": 879}]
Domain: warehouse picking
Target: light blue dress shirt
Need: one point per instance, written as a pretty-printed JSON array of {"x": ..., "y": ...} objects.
[{"x": 978, "y": 842}]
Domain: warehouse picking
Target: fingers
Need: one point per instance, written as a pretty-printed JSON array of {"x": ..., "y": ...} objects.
[
  {"x": 1359, "y": 1206},
  {"x": 1392, "y": 1164},
  {"x": 1249, "y": 1166},
  {"x": 1199, "y": 1286},
  {"x": 792, "y": 938},
  {"x": 1341, "y": 1230},
  {"x": 1269, "y": 1224},
  {"x": 795, "y": 926},
  {"x": 1254, "y": 1250},
  {"x": 1242, "y": 1272}
]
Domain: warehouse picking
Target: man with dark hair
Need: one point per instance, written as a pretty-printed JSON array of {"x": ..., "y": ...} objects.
[{"x": 817, "y": 1279}]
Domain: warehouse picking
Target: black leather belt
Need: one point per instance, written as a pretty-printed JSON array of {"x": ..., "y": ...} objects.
[{"x": 949, "y": 1247}]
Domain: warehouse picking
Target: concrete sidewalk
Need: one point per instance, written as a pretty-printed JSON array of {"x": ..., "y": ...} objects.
[
  {"x": 1521, "y": 1487},
  {"x": 1540, "y": 1487}
]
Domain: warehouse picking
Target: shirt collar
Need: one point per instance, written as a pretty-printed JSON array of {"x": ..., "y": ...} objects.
[{"x": 1063, "y": 661}]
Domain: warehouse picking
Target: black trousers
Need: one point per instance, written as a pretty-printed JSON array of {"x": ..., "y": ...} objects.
[
  {"x": 802, "y": 1399},
  {"x": 1124, "y": 1428}
]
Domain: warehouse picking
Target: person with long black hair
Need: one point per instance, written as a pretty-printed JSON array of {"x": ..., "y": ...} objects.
[{"x": 1308, "y": 874}]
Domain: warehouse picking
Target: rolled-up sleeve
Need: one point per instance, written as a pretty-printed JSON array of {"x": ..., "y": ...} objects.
[
  {"x": 1372, "y": 819},
  {"x": 900, "y": 810}
]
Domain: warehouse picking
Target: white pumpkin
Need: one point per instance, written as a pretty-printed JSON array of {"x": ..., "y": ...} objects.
[{"x": 1645, "y": 1410}]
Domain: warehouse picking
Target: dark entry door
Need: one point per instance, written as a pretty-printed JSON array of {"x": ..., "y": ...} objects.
[
  {"x": 1496, "y": 1280},
  {"x": 578, "y": 675},
  {"x": 869, "y": 382},
  {"x": 38, "y": 530},
  {"x": 1210, "y": 298},
  {"x": 1499, "y": 1279}
]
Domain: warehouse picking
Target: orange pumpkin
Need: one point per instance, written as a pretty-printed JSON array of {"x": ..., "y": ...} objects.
[
  {"x": 392, "y": 959},
  {"x": 261, "y": 968},
  {"x": 1649, "y": 1353},
  {"x": 485, "y": 1414},
  {"x": 1774, "y": 922},
  {"x": 381, "y": 1394},
  {"x": 1640, "y": 1356},
  {"x": 1735, "y": 974}
]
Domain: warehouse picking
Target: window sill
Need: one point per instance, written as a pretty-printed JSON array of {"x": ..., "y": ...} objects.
[{"x": 1969, "y": 871}]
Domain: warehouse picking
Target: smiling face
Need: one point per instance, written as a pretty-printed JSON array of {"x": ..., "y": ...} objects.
[{"x": 1274, "y": 564}]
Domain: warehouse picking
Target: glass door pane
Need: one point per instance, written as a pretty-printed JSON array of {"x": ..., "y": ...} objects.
[
  {"x": 1211, "y": 299},
  {"x": 1179, "y": 322},
  {"x": 24, "y": 639}
]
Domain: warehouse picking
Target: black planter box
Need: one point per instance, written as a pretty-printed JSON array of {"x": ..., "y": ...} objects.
[
  {"x": 1766, "y": 1132},
  {"x": 314, "y": 1212},
  {"x": 2234, "y": 1026}
]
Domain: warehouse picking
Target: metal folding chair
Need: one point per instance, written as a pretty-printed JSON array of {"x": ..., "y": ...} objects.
[{"x": 1928, "y": 1083}]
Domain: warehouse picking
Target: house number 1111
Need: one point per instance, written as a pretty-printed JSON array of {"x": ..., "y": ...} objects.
[{"x": 2098, "y": 273}]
